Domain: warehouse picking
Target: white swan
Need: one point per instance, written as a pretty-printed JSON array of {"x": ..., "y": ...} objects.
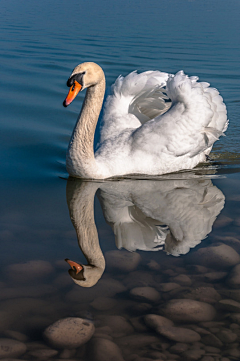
[{"x": 141, "y": 132}]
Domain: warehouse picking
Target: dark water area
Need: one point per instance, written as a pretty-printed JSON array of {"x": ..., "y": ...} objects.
[{"x": 162, "y": 256}]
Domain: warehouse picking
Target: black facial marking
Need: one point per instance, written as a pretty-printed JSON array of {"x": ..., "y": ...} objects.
[
  {"x": 78, "y": 77},
  {"x": 77, "y": 276}
]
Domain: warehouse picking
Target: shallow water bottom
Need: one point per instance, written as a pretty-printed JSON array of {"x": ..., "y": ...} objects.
[{"x": 145, "y": 306}]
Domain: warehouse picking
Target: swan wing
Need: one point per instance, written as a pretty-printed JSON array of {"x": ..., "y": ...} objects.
[
  {"x": 196, "y": 119},
  {"x": 133, "y": 100}
]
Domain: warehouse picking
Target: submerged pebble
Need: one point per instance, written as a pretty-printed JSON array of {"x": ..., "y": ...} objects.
[
  {"x": 71, "y": 332},
  {"x": 11, "y": 348},
  {"x": 204, "y": 294},
  {"x": 235, "y": 317},
  {"x": 167, "y": 287},
  {"x": 187, "y": 310},
  {"x": 118, "y": 324},
  {"x": 214, "y": 276},
  {"x": 157, "y": 322},
  {"x": 153, "y": 265},
  {"x": 217, "y": 256},
  {"x": 136, "y": 342},
  {"x": 222, "y": 221},
  {"x": 138, "y": 324},
  {"x": 43, "y": 353},
  {"x": 145, "y": 294},
  {"x": 208, "y": 358},
  {"x": 26, "y": 291},
  {"x": 193, "y": 355},
  {"x": 180, "y": 334},
  {"x": 141, "y": 308},
  {"x": 139, "y": 279},
  {"x": 182, "y": 280},
  {"x": 233, "y": 294},
  {"x": 35, "y": 345},
  {"x": 67, "y": 354},
  {"x": 227, "y": 336},
  {"x": 101, "y": 349},
  {"x": 234, "y": 352},
  {"x": 19, "y": 336},
  {"x": 166, "y": 328},
  {"x": 234, "y": 277},
  {"x": 212, "y": 349},
  {"x": 230, "y": 305},
  {"x": 179, "y": 347},
  {"x": 29, "y": 271},
  {"x": 230, "y": 241},
  {"x": 212, "y": 340}
]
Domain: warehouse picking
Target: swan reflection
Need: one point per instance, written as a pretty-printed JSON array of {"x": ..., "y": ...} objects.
[{"x": 151, "y": 215}]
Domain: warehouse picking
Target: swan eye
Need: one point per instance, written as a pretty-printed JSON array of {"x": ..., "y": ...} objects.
[{"x": 77, "y": 77}]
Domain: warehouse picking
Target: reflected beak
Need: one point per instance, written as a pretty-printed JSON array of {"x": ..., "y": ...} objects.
[
  {"x": 75, "y": 266},
  {"x": 73, "y": 92}
]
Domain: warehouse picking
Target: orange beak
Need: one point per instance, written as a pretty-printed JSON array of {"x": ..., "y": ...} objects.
[
  {"x": 73, "y": 92},
  {"x": 74, "y": 265}
]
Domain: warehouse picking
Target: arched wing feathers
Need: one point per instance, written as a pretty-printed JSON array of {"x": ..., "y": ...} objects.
[
  {"x": 195, "y": 120},
  {"x": 134, "y": 100}
]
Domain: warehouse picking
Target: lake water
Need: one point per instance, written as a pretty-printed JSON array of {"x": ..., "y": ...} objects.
[{"x": 139, "y": 221}]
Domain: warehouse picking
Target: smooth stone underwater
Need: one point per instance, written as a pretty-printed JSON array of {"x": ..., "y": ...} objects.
[
  {"x": 218, "y": 256},
  {"x": 70, "y": 332},
  {"x": 11, "y": 348},
  {"x": 187, "y": 310}
]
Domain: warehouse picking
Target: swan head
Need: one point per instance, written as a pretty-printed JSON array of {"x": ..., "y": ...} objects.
[{"x": 83, "y": 76}]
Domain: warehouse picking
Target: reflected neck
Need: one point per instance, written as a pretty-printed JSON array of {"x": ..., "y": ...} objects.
[{"x": 80, "y": 197}]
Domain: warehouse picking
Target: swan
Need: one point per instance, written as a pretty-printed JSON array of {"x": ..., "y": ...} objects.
[{"x": 153, "y": 123}]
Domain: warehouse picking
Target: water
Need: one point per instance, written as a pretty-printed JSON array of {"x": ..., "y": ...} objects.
[{"x": 40, "y": 44}]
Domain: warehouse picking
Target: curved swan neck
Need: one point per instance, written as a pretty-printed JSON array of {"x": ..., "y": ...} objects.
[{"x": 80, "y": 155}]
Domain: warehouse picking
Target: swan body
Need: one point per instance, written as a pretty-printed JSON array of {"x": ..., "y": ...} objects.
[{"x": 153, "y": 123}]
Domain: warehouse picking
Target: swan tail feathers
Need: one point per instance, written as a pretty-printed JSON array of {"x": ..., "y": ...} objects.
[
  {"x": 197, "y": 118},
  {"x": 225, "y": 126},
  {"x": 200, "y": 98},
  {"x": 211, "y": 135}
]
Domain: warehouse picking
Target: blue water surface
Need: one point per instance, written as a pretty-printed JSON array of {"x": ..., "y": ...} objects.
[{"x": 41, "y": 42}]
